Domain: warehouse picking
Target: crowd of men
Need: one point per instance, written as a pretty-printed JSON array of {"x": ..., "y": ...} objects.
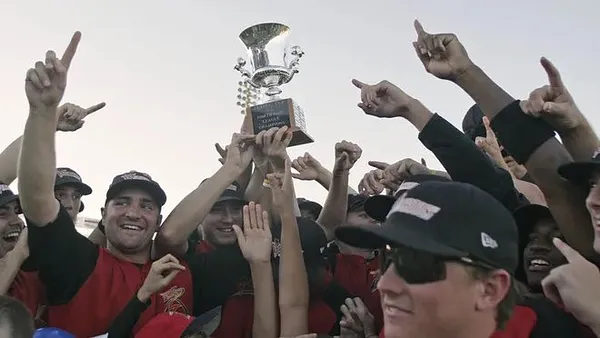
[{"x": 503, "y": 243}]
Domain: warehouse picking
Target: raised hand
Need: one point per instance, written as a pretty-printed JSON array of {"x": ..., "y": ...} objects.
[
  {"x": 70, "y": 116},
  {"x": 239, "y": 151},
  {"x": 489, "y": 143},
  {"x": 274, "y": 142},
  {"x": 575, "y": 285},
  {"x": 371, "y": 184},
  {"x": 518, "y": 170},
  {"x": 553, "y": 102},
  {"x": 255, "y": 239},
  {"x": 401, "y": 170},
  {"x": 346, "y": 155},
  {"x": 442, "y": 54},
  {"x": 222, "y": 152},
  {"x": 162, "y": 272},
  {"x": 357, "y": 321},
  {"x": 282, "y": 186},
  {"x": 383, "y": 99},
  {"x": 308, "y": 168},
  {"x": 45, "y": 83}
]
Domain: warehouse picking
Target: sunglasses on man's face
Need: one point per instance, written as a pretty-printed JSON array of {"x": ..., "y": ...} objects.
[{"x": 420, "y": 267}]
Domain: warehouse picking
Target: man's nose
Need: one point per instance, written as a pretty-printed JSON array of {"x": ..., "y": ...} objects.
[
  {"x": 133, "y": 212},
  {"x": 67, "y": 203}
]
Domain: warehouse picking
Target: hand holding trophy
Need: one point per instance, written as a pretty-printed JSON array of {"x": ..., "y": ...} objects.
[{"x": 272, "y": 63}]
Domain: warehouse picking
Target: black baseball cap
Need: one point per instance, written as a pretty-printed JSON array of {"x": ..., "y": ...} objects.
[
  {"x": 472, "y": 123},
  {"x": 312, "y": 239},
  {"x": 68, "y": 176},
  {"x": 234, "y": 192},
  {"x": 7, "y": 195},
  {"x": 356, "y": 202},
  {"x": 314, "y": 207},
  {"x": 379, "y": 206},
  {"x": 448, "y": 219},
  {"x": 580, "y": 172},
  {"x": 136, "y": 179}
]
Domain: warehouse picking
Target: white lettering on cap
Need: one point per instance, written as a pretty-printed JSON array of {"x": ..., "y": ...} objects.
[
  {"x": 406, "y": 186},
  {"x": 67, "y": 173},
  {"x": 135, "y": 176},
  {"x": 488, "y": 242},
  {"x": 232, "y": 187},
  {"x": 3, "y": 188},
  {"x": 415, "y": 207}
]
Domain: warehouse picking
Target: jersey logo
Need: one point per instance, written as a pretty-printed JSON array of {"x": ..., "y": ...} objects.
[{"x": 172, "y": 300}]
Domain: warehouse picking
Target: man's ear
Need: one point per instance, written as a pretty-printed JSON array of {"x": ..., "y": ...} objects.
[
  {"x": 494, "y": 289},
  {"x": 103, "y": 213}
]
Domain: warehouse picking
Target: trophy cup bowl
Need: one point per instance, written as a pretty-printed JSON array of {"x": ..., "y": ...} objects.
[{"x": 272, "y": 62}]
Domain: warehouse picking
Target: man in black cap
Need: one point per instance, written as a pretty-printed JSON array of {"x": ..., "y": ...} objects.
[
  {"x": 10, "y": 223},
  {"x": 309, "y": 209},
  {"x": 68, "y": 189},
  {"x": 452, "y": 250}
]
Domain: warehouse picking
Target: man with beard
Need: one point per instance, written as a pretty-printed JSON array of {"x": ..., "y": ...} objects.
[{"x": 87, "y": 286}]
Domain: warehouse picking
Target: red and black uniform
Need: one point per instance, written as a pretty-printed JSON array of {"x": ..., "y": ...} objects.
[
  {"x": 29, "y": 290},
  {"x": 87, "y": 287}
]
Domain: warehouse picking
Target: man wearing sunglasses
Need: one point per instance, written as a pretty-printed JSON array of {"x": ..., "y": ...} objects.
[{"x": 450, "y": 254}]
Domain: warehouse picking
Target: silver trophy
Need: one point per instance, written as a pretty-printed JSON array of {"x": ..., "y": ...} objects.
[{"x": 272, "y": 62}]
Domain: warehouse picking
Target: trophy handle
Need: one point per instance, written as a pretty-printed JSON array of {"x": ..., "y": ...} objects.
[
  {"x": 240, "y": 68},
  {"x": 297, "y": 53}
]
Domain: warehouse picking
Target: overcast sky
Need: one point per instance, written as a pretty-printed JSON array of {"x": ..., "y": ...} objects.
[{"x": 164, "y": 69}]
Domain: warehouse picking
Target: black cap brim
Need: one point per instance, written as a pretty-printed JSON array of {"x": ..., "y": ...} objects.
[
  {"x": 378, "y": 207},
  {"x": 377, "y": 237},
  {"x": 151, "y": 188},
  {"x": 310, "y": 205},
  {"x": 231, "y": 198},
  {"x": 578, "y": 172},
  {"x": 83, "y": 188},
  {"x": 8, "y": 199}
]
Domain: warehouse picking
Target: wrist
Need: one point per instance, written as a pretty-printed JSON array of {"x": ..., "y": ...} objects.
[
  {"x": 143, "y": 295},
  {"x": 467, "y": 74},
  {"x": 340, "y": 172},
  {"x": 260, "y": 265},
  {"x": 418, "y": 115},
  {"x": 17, "y": 255},
  {"x": 231, "y": 170}
]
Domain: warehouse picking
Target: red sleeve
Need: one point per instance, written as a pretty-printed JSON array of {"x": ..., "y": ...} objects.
[{"x": 28, "y": 289}]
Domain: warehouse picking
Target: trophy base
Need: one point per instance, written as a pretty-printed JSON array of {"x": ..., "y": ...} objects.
[{"x": 279, "y": 113}]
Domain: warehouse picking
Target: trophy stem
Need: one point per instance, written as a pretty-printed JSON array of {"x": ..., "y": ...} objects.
[{"x": 273, "y": 92}]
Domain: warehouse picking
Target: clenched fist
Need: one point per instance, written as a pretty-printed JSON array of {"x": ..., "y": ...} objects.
[{"x": 346, "y": 155}]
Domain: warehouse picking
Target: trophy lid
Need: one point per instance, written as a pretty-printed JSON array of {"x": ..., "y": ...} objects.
[{"x": 261, "y": 34}]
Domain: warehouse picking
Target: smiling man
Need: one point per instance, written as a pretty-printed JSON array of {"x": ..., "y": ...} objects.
[
  {"x": 448, "y": 270},
  {"x": 10, "y": 223}
]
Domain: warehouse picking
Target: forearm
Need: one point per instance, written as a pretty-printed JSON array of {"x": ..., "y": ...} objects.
[
  {"x": 98, "y": 238},
  {"x": 336, "y": 204},
  {"x": 265, "y": 304},
  {"x": 191, "y": 211},
  {"x": 490, "y": 97},
  {"x": 9, "y": 159},
  {"x": 255, "y": 189},
  {"x": 37, "y": 168},
  {"x": 581, "y": 142},
  {"x": 9, "y": 267},
  {"x": 326, "y": 177},
  {"x": 293, "y": 285}
]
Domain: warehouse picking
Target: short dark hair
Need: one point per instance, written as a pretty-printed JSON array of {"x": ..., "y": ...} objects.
[
  {"x": 16, "y": 316},
  {"x": 508, "y": 303}
]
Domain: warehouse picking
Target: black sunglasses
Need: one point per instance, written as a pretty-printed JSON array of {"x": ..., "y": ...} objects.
[{"x": 420, "y": 267}]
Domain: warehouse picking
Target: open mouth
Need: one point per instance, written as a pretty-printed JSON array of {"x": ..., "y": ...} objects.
[
  {"x": 132, "y": 227},
  {"x": 12, "y": 236},
  {"x": 539, "y": 264},
  {"x": 225, "y": 229}
]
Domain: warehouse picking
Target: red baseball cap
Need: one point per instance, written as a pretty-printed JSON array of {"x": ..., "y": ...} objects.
[{"x": 168, "y": 324}]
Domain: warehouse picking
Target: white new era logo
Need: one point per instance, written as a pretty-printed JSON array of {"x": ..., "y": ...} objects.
[
  {"x": 488, "y": 242},
  {"x": 66, "y": 173},
  {"x": 415, "y": 207},
  {"x": 3, "y": 188},
  {"x": 232, "y": 187}
]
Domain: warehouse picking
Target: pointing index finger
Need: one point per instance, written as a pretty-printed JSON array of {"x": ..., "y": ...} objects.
[
  {"x": 71, "y": 49},
  {"x": 554, "y": 78},
  {"x": 358, "y": 84},
  {"x": 419, "y": 28},
  {"x": 570, "y": 254},
  {"x": 378, "y": 165},
  {"x": 95, "y": 108}
]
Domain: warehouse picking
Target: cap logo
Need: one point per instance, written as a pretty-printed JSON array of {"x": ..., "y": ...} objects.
[
  {"x": 232, "y": 187},
  {"x": 488, "y": 242},
  {"x": 415, "y": 207},
  {"x": 68, "y": 173},
  {"x": 4, "y": 188},
  {"x": 276, "y": 248},
  {"x": 136, "y": 176},
  {"x": 406, "y": 186},
  {"x": 596, "y": 153}
]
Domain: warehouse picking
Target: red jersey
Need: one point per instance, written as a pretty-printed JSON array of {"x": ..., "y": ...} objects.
[
  {"x": 87, "y": 287},
  {"x": 28, "y": 289}
]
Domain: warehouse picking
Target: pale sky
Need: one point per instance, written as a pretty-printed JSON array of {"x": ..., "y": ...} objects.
[{"x": 165, "y": 70}]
